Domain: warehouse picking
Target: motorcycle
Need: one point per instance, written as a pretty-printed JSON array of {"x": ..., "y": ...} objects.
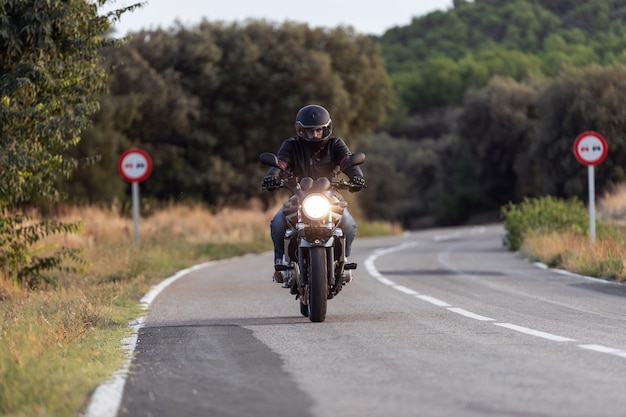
[{"x": 314, "y": 259}]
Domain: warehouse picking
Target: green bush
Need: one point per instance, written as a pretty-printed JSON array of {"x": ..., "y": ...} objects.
[{"x": 543, "y": 214}]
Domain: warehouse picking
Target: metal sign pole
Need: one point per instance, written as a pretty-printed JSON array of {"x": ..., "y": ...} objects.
[
  {"x": 590, "y": 148},
  {"x": 135, "y": 191},
  {"x": 135, "y": 166},
  {"x": 592, "y": 203}
]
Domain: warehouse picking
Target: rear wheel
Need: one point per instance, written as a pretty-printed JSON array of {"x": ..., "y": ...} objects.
[{"x": 318, "y": 284}]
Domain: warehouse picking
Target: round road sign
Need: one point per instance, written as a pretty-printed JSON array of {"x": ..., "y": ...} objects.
[
  {"x": 590, "y": 148},
  {"x": 134, "y": 165}
]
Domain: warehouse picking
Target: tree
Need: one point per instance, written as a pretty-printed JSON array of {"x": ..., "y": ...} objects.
[
  {"x": 496, "y": 127},
  {"x": 49, "y": 82},
  {"x": 205, "y": 101},
  {"x": 577, "y": 101},
  {"x": 516, "y": 38}
]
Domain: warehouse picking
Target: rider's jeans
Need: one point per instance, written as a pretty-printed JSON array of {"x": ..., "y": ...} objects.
[{"x": 278, "y": 227}]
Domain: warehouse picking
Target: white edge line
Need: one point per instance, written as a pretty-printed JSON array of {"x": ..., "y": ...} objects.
[
  {"x": 600, "y": 348},
  {"x": 604, "y": 349},
  {"x": 575, "y": 275},
  {"x": 433, "y": 300},
  {"x": 544, "y": 335},
  {"x": 386, "y": 281},
  {"x": 107, "y": 398},
  {"x": 449, "y": 236},
  {"x": 469, "y": 314},
  {"x": 405, "y": 290}
]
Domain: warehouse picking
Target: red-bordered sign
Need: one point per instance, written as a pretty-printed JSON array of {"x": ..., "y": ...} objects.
[
  {"x": 590, "y": 148},
  {"x": 134, "y": 165}
]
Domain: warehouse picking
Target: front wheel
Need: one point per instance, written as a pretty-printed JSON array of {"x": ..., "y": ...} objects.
[{"x": 318, "y": 284}]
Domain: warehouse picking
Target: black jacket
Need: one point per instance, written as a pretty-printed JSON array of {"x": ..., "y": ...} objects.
[{"x": 304, "y": 160}]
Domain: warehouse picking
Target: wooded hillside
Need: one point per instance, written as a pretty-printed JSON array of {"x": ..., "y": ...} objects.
[{"x": 496, "y": 92}]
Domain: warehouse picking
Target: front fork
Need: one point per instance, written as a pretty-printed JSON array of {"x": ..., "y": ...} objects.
[{"x": 335, "y": 255}]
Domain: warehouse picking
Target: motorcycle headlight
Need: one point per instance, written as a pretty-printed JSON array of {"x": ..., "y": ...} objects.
[{"x": 316, "y": 206}]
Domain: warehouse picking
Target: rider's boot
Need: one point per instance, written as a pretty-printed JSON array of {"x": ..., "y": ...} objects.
[
  {"x": 278, "y": 276},
  {"x": 347, "y": 273}
]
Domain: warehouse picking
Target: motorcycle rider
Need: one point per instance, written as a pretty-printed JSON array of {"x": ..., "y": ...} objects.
[{"x": 312, "y": 152}]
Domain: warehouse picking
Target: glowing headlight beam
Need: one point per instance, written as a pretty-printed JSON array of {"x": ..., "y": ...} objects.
[{"x": 316, "y": 206}]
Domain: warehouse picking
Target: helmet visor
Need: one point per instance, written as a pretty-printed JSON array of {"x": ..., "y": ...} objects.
[{"x": 313, "y": 133}]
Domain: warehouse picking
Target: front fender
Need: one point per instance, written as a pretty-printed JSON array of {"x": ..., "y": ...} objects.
[{"x": 317, "y": 243}]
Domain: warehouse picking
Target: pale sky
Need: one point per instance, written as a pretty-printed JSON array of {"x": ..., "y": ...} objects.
[{"x": 366, "y": 17}]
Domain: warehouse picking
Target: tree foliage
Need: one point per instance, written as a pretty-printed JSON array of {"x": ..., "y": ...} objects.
[
  {"x": 515, "y": 139},
  {"x": 577, "y": 101},
  {"x": 495, "y": 127},
  {"x": 48, "y": 78},
  {"x": 528, "y": 76},
  {"x": 49, "y": 83},
  {"x": 205, "y": 101},
  {"x": 438, "y": 57},
  {"x": 481, "y": 102}
]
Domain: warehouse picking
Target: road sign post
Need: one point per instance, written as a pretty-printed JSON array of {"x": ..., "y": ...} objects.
[
  {"x": 135, "y": 166},
  {"x": 590, "y": 148}
]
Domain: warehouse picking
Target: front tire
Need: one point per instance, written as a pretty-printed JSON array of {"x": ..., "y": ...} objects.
[{"x": 318, "y": 284}]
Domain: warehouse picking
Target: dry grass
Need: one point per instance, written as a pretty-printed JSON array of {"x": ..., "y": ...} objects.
[
  {"x": 612, "y": 205},
  {"x": 572, "y": 252},
  {"x": 191, "y": 222},
  {"x": 604, "y": 258}
]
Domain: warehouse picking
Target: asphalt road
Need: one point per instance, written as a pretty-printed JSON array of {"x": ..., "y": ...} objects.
[{"x": 437, "y": 323}]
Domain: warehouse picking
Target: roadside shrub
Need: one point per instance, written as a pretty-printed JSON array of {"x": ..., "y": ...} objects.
[
  {"x": 24, "y": 260},
  {"x": 543, "y": 214}
]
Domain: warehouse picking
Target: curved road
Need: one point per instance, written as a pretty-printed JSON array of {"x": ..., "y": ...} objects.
[{"x": 436, "y": 323}]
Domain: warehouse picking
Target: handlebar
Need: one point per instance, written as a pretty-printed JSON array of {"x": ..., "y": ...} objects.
[
  {"x": 291, "y": 182},
  {"x": 338, "y": 184}
]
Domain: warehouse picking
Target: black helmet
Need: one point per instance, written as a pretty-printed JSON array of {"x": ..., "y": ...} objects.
[{"x": 314, "y": 116}]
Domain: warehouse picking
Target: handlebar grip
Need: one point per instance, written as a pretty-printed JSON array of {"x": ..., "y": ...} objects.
[{"x": 270, "y": 188}]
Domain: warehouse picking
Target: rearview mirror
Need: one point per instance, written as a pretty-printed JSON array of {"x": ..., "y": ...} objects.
[
  {"x": 270, "y": 159},
  {"x": 355, "y": 159}
]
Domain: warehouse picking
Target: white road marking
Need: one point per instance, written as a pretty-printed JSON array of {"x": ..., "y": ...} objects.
[
  {"x": 371, "y": 268},
  {"x": 405, "y": 290},
  {"x": 386, "y": 281},
  {"x": 470, "y": 314},
  {"x": 605, "y": 349},
  {"x": 537, "y": 333},
  {"x": 443, "y": 238},
  {"x": 433, "y": 300}
]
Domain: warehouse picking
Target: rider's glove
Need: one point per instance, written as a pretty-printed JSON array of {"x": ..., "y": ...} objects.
[
  {"x": 357, "y": 183},
  {"x": 271, "y": 183}
]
